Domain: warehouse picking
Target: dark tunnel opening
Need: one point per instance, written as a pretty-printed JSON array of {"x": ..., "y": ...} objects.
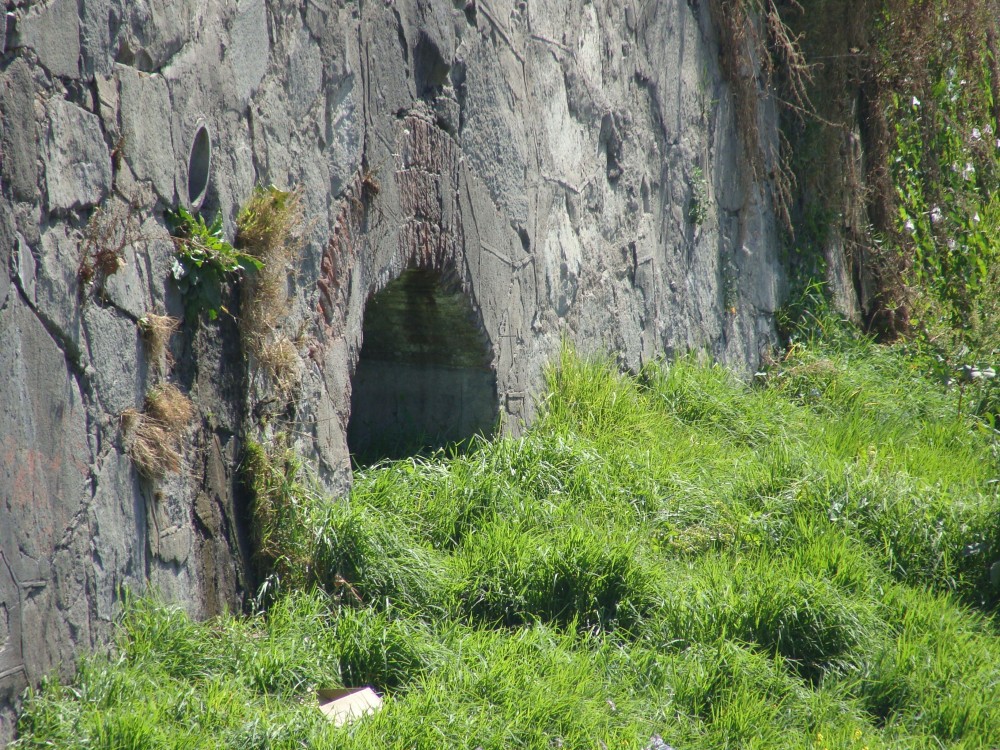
[{"x": 424, "y": 378}]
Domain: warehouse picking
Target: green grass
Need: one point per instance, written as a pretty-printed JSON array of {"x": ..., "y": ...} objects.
[{"x": 802, "y": 562}]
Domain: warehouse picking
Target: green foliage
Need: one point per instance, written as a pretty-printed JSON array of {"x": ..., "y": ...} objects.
[
  {"x": 897, "y": 171},
  {"x": 939, "y": 81},
  {"x": 698, "y": 206},
  {"x": 512, "y": 576},
  {"x": 204, "y": 261},
  {"x": 800, "y": 562},
  {"x": 950, "y": 215},
  {"x": 281, "y": 495}
]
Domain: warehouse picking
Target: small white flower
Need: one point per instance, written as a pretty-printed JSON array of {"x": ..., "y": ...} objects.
[
  {"x": 975, "y": 218},
  {"x": 177, "y": 270},
  {"x": 936, "y": 216},
  {"x": 976, "y": 134},
  {"x": 968, "y": 171},
  {"x": 916, "y": 102},
  {"x": 910, "y": 227}
]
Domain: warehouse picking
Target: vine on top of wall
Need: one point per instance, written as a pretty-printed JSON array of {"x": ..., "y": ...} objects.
[{"x": 761, "y": 58}]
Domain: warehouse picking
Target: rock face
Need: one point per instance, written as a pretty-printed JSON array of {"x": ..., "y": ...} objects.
[{"x": 571, "y": 166}]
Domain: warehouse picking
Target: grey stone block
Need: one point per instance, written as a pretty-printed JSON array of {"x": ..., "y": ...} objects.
[
  {"x": 56, "y": 288},
  {"x": 18, "y": 128},
  {"x": 145, "y": 122},
  {"x": 52, "y": 30},
  {"x": 44, "y": 459},
  {"x": 77, "y": 162},
  {"x": 116, "y": 357},
  {"x": 117, "y": 521},
  {"x": 305, "y": 77},
  {"x": 248, "y": 52},
  {"x": 95, "y": 37},
  {"x": 156, "y": 30},
  {"x": 25, "y": 268}
]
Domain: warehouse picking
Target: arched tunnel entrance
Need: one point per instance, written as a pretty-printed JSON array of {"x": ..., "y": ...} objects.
[{"x": 424, "y": 377}]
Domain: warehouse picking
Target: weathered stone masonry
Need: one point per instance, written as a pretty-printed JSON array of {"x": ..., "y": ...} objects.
[{"x": 543, "y": 154}]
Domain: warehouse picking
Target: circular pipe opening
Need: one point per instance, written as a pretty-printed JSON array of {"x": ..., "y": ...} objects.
[{"x": 199, "y": 166}]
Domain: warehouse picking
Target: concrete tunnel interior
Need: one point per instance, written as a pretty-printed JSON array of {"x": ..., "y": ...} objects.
[{"x": 424, "y": 378}]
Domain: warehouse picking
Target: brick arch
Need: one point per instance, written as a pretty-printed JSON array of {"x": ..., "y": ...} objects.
[
  {"x": 399, "y": 236},
  {"x": 424, "y": 215}
]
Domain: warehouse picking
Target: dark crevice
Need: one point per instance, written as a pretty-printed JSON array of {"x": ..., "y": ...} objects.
[
  {"x": 611, "y": 140},
  {"x": 401, "y": 35},
  {"x": 522, "y": 233},
  {"x": 430, "y": 70},
  {"x": 468, "y": 8},
  {"x": 243, "y": 499},
  {"x": 655, "y": 109},
  {"x": 457, "y": 75}
]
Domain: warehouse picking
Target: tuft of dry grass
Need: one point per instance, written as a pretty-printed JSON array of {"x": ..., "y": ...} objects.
[
  {"x": 280, "y": 357},
  {"x": 269, "y": 228},
  {"x": 169, "y": 406},
  {"x": 156, "y": 332},
  {"x": 150, "y": 445},
  {"x": 153, "y": 436},
  {"x": 111, "y": 230}
]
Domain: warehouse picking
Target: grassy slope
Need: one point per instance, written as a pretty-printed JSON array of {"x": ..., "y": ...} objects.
[{"x": 801, "y": 563}]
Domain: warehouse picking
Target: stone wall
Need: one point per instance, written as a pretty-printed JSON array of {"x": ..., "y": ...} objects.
[{"x": 572, "y": 164}]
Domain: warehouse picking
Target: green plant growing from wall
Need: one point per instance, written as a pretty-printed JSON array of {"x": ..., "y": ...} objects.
[
  {"x": 204, "y": 260},
  {"x": 698, "y": 207},
  {"x": 283, "y": 494}
]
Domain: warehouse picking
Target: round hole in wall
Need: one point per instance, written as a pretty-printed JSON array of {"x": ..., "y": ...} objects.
[{"x": 199, "y": 166}]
